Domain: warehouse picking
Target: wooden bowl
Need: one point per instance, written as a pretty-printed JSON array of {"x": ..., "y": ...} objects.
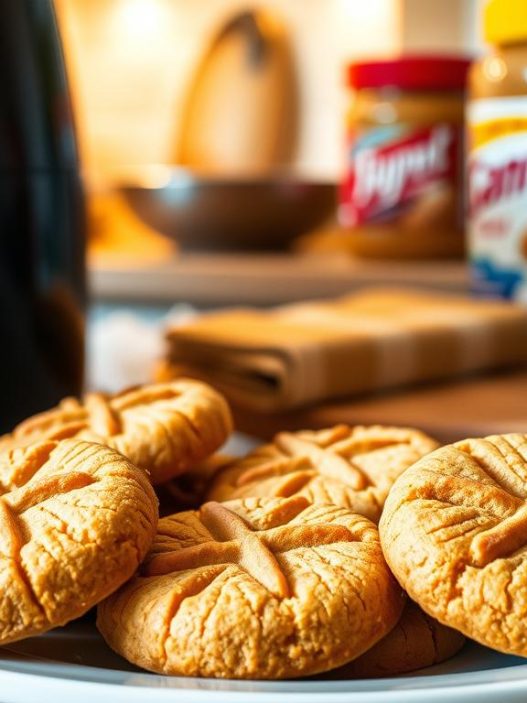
[{"x": 217, "y": 213}]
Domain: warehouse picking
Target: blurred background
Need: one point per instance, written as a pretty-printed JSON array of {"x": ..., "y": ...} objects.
[
  {"x": 261, "y": 154},
  {"x": 163, "y": 83},
  {"x": 251, "y": 100},
  {"x": 132, "y": 63}
]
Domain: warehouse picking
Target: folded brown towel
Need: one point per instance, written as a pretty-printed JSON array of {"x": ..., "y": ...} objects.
[{"x": 304, "y": 353}]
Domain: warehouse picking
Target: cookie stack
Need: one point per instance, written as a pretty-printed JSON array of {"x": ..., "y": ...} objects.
[
  {"x": 269, "y": 566},
  {"x": 77, "y": 505}
]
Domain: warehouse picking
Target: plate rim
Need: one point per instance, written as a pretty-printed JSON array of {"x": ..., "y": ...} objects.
[{"x": 131, "y": 685}]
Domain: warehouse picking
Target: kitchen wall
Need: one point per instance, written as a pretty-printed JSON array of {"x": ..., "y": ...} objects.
[{"x": 131, "y": 62}]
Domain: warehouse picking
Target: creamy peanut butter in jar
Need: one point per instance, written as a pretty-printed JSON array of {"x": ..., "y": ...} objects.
[
  {"x": 497, "y": 155},
  {"x": 402, "y": 191}
]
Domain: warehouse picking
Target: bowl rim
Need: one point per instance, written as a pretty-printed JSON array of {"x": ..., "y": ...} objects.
[{"x": 162, "y": 176}]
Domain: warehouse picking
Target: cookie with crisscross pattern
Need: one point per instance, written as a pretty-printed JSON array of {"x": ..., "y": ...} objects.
[
  {"x": 261, "y": 588},
  {"x": 353, "y": 467},
  {"x": 164, "y": 428},
  {"x": 74, "y": 530},
  {"x": 454, "y": 531}
]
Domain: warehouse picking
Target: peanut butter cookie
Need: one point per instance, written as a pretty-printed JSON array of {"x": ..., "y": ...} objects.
[
  {"x": 163, "y": 428},
  {"x": 454, "y": 531},
  {"x": 260, "y": 588},
  {"x": 77, "y": 528},
  {"x": 350, "y": 467},
  {"x": 417, "y": 641}
]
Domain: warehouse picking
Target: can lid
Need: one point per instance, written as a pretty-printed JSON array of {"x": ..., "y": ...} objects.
[
  {"x": 411, "y": 72},
  {"x": 505, "y": 21}
]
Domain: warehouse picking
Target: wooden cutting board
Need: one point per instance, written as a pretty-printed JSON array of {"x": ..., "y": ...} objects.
[
  {"x": 474, "y": 407},
  {"x": 241, "y": 111}
]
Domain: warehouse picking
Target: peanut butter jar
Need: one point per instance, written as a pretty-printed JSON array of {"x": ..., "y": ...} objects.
[
  {"x": 497, "y": 155},
  {"x": 402, "y": 191}
]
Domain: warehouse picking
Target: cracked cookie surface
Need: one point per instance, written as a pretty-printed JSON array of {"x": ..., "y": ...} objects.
[
  {"x": 163, "y": 428},
  {"x": 353, "y": 467},
  {"x": 454, "y": 531},
  {"x": 74, "y": 530},
  {"x": 259, "y": 588}
]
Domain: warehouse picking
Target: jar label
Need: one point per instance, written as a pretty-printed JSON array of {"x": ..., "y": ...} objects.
[
  {"x": 392, "y": 167},
  {"x": 497, "y": 184}
]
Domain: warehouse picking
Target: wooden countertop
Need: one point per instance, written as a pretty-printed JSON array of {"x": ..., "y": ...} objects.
[
  {"x": 263, "y": 279},
  {"x": 473, "y": 407}
]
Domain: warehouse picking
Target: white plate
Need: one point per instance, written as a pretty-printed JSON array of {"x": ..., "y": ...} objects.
[{"x": 73, "y": 663}]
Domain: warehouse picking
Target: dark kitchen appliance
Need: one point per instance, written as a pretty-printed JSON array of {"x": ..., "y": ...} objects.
[{"x": 41, "y": 218}]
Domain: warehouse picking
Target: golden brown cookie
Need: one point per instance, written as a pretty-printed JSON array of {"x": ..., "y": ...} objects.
[
  {"x": 260, "y": 588},
  {"x": 417, "y": 641},
  {"x": 350, "y": 467},
  {"x": 454, "y": 531},
  {"x": 163, "y": 428},
  {"x": 75, "y": 530}
]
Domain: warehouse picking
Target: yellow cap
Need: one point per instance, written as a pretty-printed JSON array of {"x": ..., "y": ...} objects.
[{"x": 505, "y": 21}]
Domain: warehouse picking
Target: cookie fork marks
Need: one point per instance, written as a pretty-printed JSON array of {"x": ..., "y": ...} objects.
[
  {"x": 307, "y": 456},
  {"x": 103, "y": 420},
  {"x": 508, "y": 535},
  {"x": 37, "y": 491},
  {"x": 97, "y": 412},
  {"x": 10, "y": 537},
  {"x": 501, "y": 540},
  {"x": 21, "y": 464},
  {"x": 28, "y": 496},
  {"x": 254, "y": 551}
]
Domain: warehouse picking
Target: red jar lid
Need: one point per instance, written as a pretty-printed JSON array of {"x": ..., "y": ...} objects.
[{"x": 411, "y": 73}]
